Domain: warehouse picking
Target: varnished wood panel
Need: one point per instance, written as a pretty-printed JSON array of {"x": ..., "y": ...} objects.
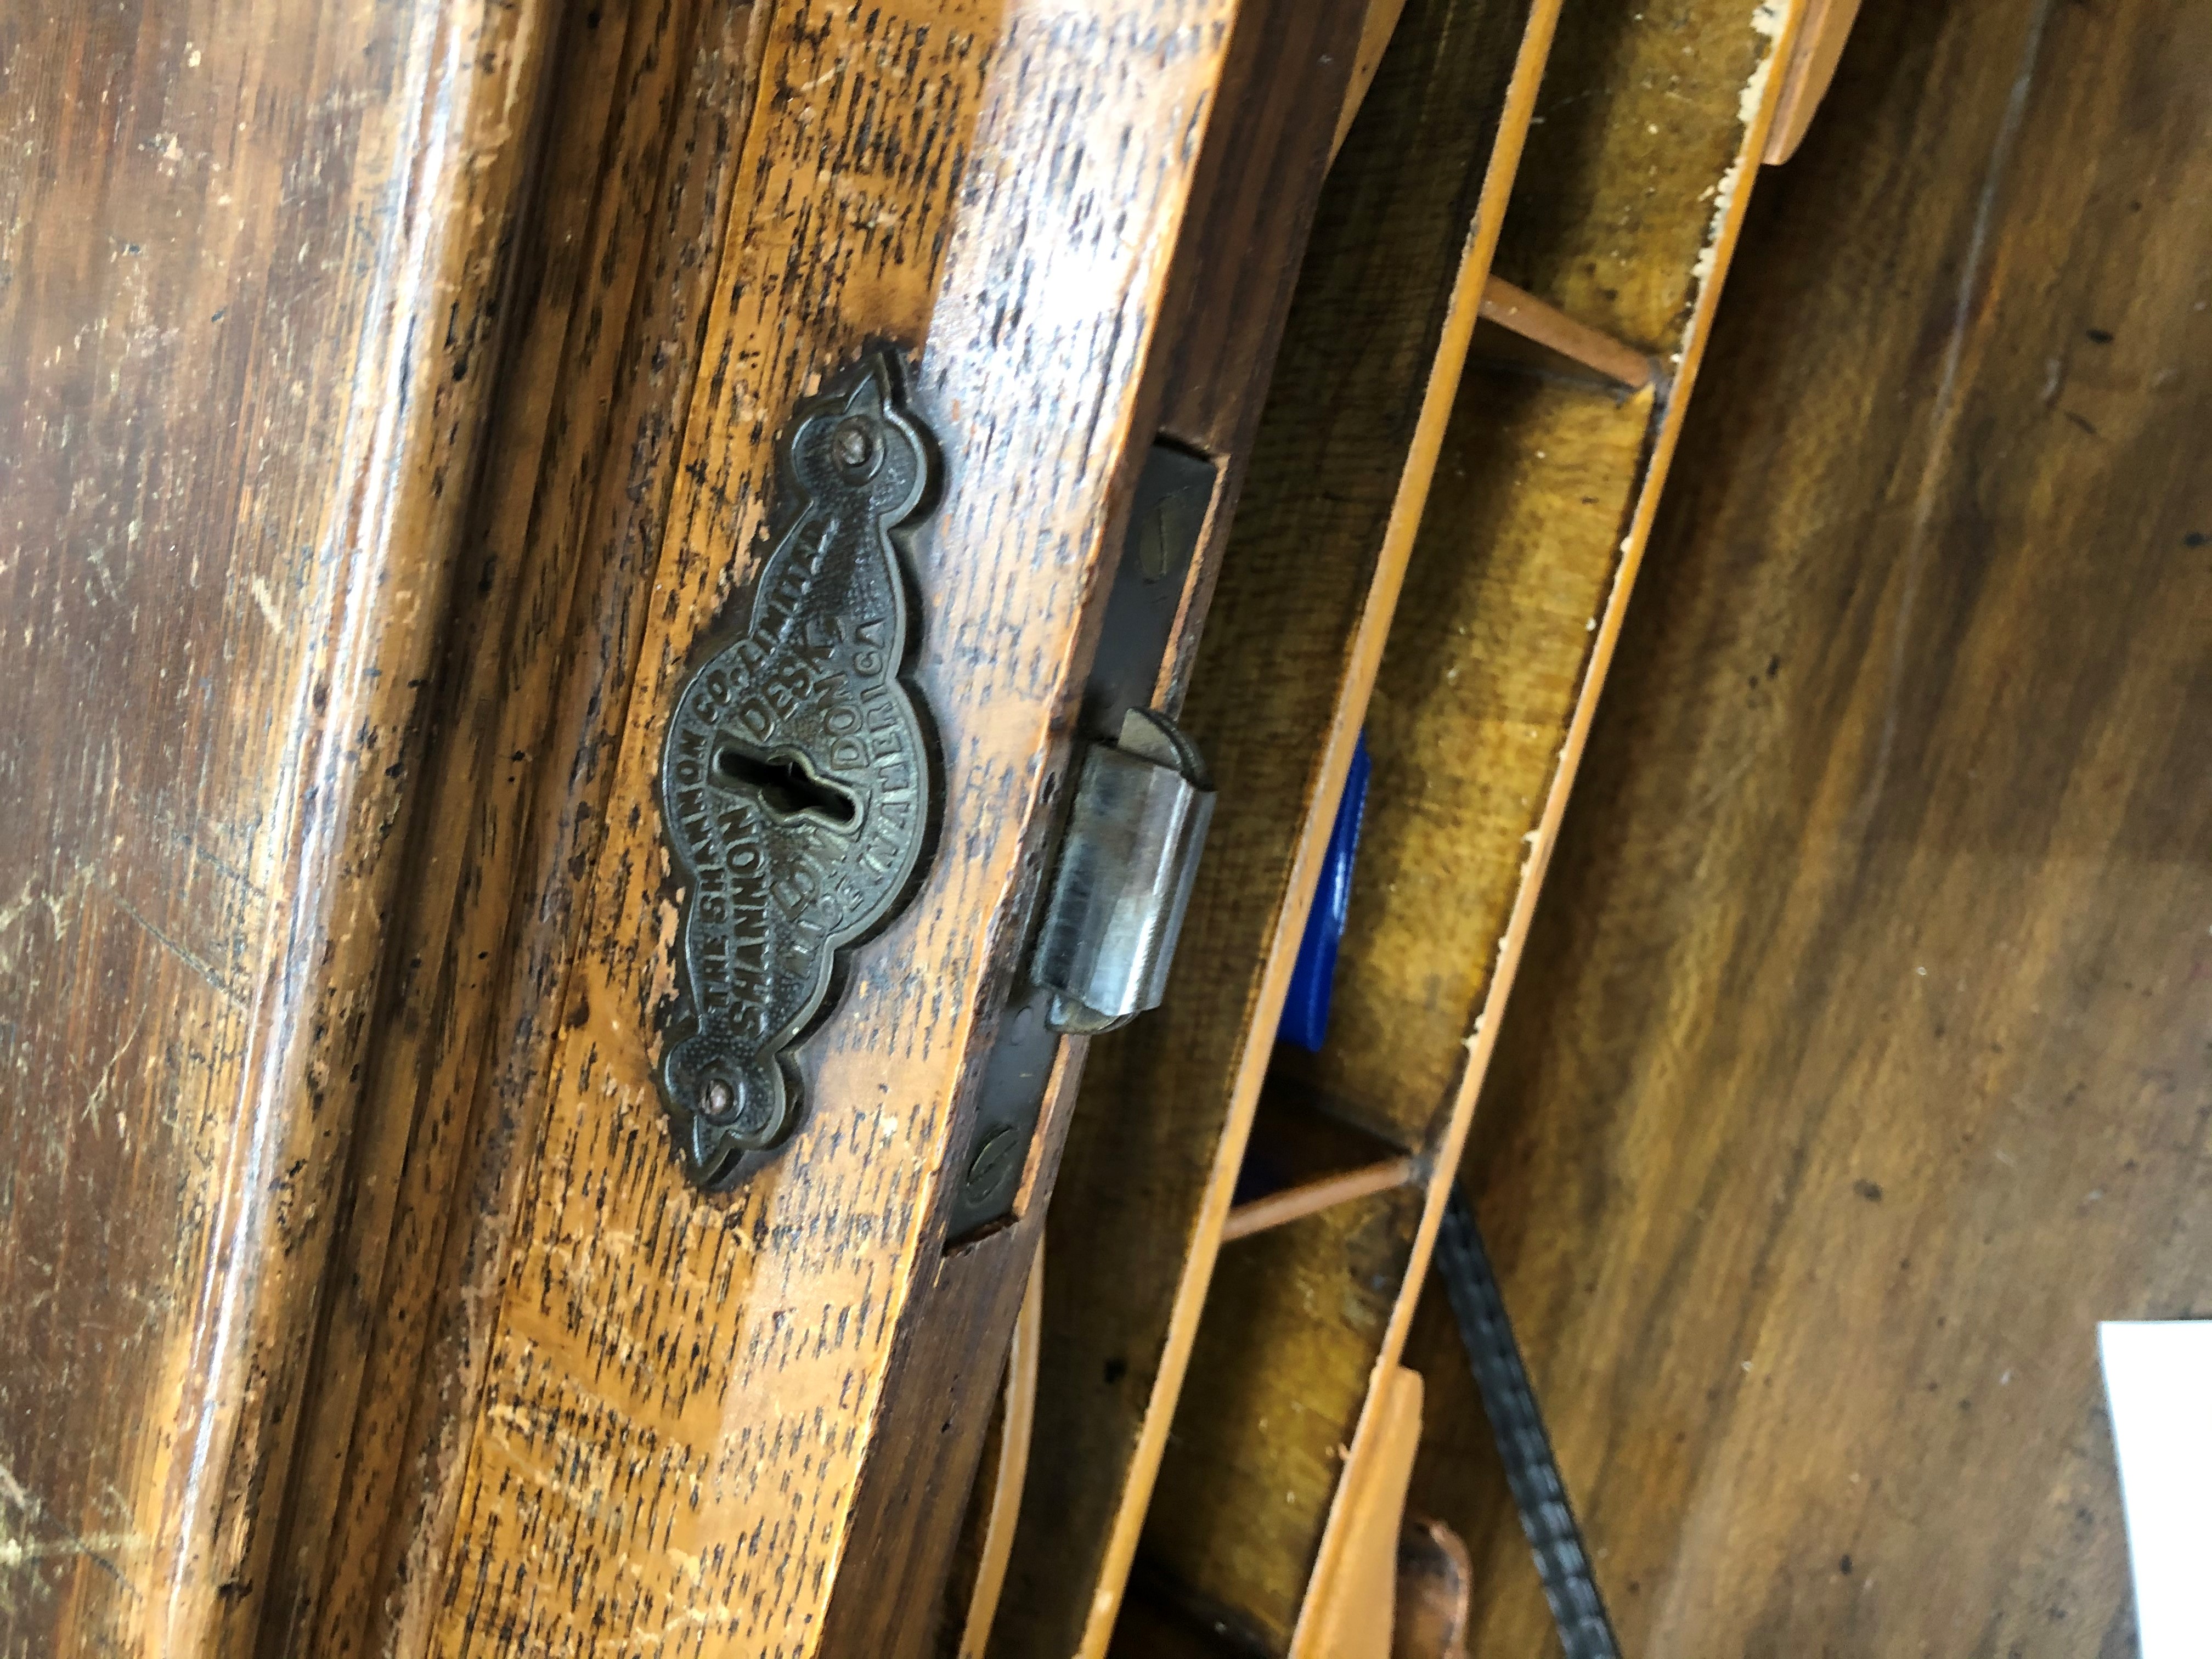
[
  {"x": 253, "y": 259},
  {"x": 1859, "y": 1060}
]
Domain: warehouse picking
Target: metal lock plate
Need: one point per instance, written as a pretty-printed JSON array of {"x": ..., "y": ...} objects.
[
  {"x": 796, "y": 786},
  {"x": 1152, "y": 581}
]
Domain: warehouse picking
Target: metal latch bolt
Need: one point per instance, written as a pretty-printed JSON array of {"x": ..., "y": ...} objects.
[{"x": 1135, "y": 829}]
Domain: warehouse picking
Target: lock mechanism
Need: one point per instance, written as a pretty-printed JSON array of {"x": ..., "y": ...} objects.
[
  {"x": 1109, "y": 903},
  {"x": 1135, "y": 830}
]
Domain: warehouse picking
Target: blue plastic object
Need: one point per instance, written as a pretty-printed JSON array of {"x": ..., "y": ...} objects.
[{"x": 1305, "y": 1011}]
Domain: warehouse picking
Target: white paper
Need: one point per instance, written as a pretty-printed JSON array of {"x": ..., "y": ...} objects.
[{"x": 2159, "y": 1379}]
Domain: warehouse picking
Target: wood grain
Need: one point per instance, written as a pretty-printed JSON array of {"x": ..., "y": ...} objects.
[
  {"x": 1624, "y": 238},
  {"x": 1220, "y": 316},
  {"x": 1859, "y": 1062},
  {"x": 254, "y": 259},
  {"x": 619, "y": 271},
  {"x": 1158, "y": 1132},
  {"x": 1377, "y": 27},
  {"x": 681, "y": 1392},
  {"x": 1009, "y": 1470},
  {"x": 1485, "y": 662}
]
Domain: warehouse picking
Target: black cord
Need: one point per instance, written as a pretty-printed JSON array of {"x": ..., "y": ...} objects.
[{"x": 1531, "y": 1470}]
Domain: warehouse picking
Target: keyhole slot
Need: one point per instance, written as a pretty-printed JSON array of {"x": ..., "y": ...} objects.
[{"x": 788, "y": 785}]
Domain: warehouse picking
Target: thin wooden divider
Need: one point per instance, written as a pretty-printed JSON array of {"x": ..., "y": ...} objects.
[
  {"x": 1312, "y": 1197},
  {"x": 1534, "y": 319}
]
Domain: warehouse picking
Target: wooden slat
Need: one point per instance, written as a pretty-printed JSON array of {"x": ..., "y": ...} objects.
[
  {"x": 1625, "y": 243},
  {"x": 1805, "y": 1245},
  {"x": 1018, "y": 1418},
  {"x": 1376, "y": 28},
  {"x": 1310, "y": 1198},
  {"x": 1812, "y": 63},
  {"x": 1737, "y": 50},
  {"x": 1547, "y": 326},
  {"x": 1516, "y": 554},
  {"x": 1403, "y": 244},
  {"x": 1355, "y": 1611},
  {"x": 256, "y": 255}
]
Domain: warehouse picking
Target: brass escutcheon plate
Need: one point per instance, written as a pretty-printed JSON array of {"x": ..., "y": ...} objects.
[{"x": 797, "y": 787}]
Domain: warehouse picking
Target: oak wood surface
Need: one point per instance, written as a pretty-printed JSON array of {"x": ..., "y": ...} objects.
[
  {"x": 618, "y": 268},
  {"x": 1341, "y": 459},
  {"x": 1008, "y": 1471},
  {"x": 1859, "y": 1063},
  {"x": 253, "y": 263}
]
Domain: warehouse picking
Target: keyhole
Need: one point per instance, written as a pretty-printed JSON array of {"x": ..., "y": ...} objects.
[{"x": 789, "y": 786}]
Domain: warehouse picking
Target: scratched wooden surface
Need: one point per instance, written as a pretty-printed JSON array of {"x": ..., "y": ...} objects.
[
  {"x": 1859, "y": 1063},
  {"x": 678, "y": 1392},
  {"x": 617, "y": 268},
  {"x": 252, "y": 266}
]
